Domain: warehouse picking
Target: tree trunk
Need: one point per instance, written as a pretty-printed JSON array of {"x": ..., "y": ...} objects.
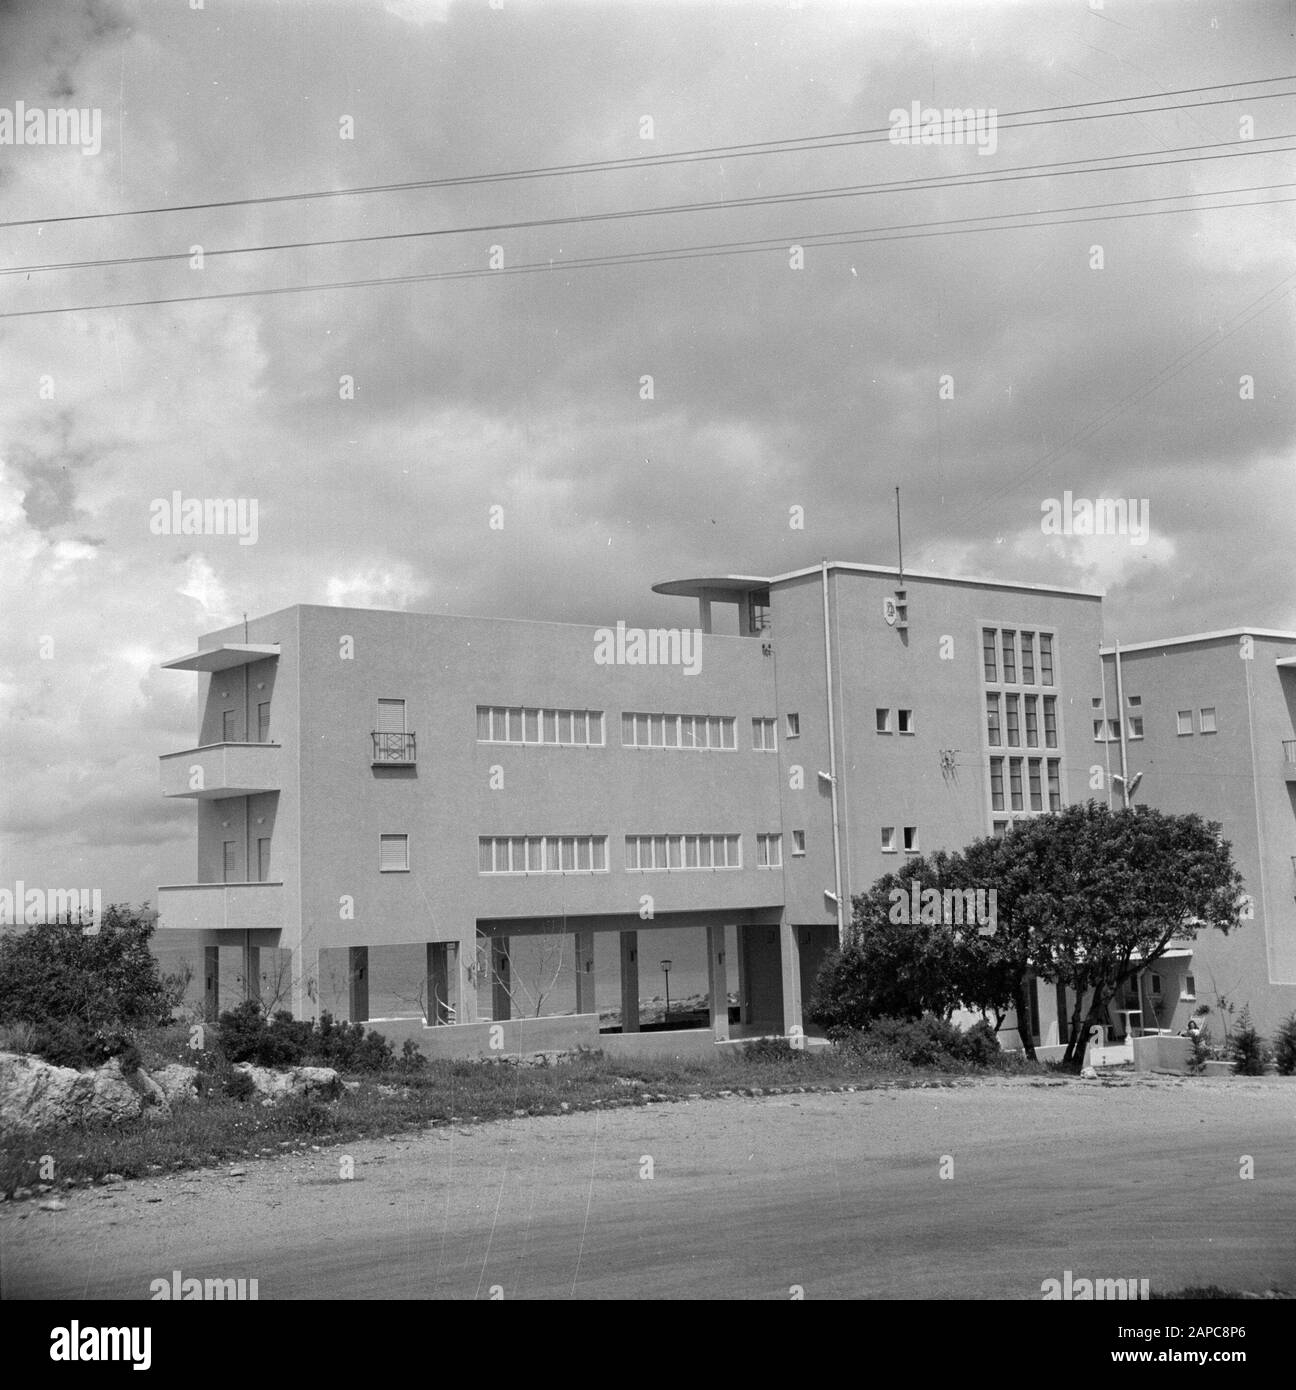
[
  {"x": 1076, "y": 1062},
  {"x": 1023, "y": 1019},
  {"x": 1078, "y": 1038}
]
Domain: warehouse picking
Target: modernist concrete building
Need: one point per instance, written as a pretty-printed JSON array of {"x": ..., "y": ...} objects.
[{"x": 371, "y": 779}]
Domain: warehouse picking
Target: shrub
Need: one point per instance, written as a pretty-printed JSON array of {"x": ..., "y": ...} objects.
[
  {"x": 247, "y": 1036},
  {"x": 1247, "y": 1048},
  {"x": 1201, "y": 1051},
  {"x": 240, "y": 1086},
  {"x": 772, "y": 1050},
  {"x": 1285, "y": 1046},
  {"x": 72, "y": 986},
  {"x": 980, "y": 1044},
  {"x": 411, "y": 1058},
  {"x": 928, "y": 1041}
]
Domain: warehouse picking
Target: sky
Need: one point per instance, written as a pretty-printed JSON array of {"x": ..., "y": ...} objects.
[{"x": 634, "y": 422}]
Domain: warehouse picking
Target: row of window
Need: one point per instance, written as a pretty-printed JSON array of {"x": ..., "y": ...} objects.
[
  {"x": 566, "y": 854},
  {"x": 1001, "y": 649},
  {"x": 572, "y": 728},
  {"x": 639, "y": 729},
  {"x": 680, "y": 731},
  {"x": 1004, "y": 720},
  {"x": 904, "y": 721},
  {"x": 1040, "y": 774},
  {"x": 1109, "y": 730}
]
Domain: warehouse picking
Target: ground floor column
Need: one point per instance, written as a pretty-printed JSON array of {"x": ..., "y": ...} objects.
[
  {"x": 501, "y": 979},
  {"x": 438, "y": 1008},
  {"x": 251, "y": 969},
  {"x": 583, "y": 944},
  {"x": 629, "y": 981},
  {"x": 358, "y": 983},
  {"x": 718, "y": 982},
  {"x": 211, "y": 983},
  {"x": 744, "y": 977},
  {"x": 790, "y": 969}
]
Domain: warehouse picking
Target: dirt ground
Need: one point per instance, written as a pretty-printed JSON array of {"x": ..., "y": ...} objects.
[{"x": 835, "y": 1196}]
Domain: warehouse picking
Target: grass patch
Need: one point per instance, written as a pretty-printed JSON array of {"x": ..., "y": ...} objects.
[{"x": 218, "y": 1129}]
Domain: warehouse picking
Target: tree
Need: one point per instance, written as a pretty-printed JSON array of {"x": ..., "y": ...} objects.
[{"x": 1111, "y": 891}]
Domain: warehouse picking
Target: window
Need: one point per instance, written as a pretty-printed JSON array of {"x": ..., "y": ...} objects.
[
  {"x": 996, "y": 784},
  {"x": 1050, "y": 721},
  {"x": 911, "y": 839},
  {"x": 1015, "y": 784},
  {"x": 1014, "y": 720},
  {"x": 1113, "y": 730},
  {"x": 263, "y": 722},
  {"x": 570, "y": 728},
  {"x": 1046, "y": 658},
  {"x": 888, "y": 839},
  {"x": 1189, "y": 987},
  {"x": 685, "y": 730},
  {"x": 1208, "y": 720},
  {"x": 1036, "y": 785},
  {"x": 764, "y": 735},
  {"x": 993, "y": 732},
  {"x": 906, "y": 718},
  {"x": 798, "y": 842},
  {"x": 1096, "y": 702},
  {"x": 1000, "y": 829},
  {"x": 229, "y": 728},
  {"x": 1031, "y": 703},
  {"x": 1184, "y": 721},
  {"x": 393, "y": 854},
  {"x": 988, "y": 655},
  {"x": 1156, "y": 984},
  {"x": 1028, "y": 658},
  {"x": 883, "y": 721},
  {"x": 1134, "y": 700},
  {"x": 769, "y": 851},
  {"x": 541, "y": 854},
  {"x": 652, "y": 852},
  {"x": 229, "y": 861},
  {"x": 263, "y": 860},
  {"x": 391, "y": 717},
  {"x": 1136, "y": 726},
  {"x": 1054, "y": 784},
  {"x": 1009, "y": 643},
  {"x": 1098, "y": 731},
  {"x": 794, "y": 726}
]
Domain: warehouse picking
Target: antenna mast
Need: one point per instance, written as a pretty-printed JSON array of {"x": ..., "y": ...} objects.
[{"x": 899, "y": 538}]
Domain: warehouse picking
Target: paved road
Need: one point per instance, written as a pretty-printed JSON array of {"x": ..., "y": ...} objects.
[{"x": 838, "y": 1194}]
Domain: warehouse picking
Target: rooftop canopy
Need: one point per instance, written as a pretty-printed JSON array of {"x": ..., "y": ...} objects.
[{"x": 224, "y": 657}]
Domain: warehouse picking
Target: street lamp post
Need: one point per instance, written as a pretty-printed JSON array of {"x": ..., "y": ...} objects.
[{"x": 666, "y": 968}]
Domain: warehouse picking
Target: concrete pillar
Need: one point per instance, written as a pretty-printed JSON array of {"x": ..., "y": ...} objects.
[
  {"x": 718, "y": 982},
  {"x": 583, "y": 944},
  {"x": 744, "y": 974},
  {"x": 461, "y": 958},
  {"x": 629, "y": 981},
  {"x": 251, "y": 969},
  {"x": 790, "y": 968},
  {"x": 501, "y": 979},
  {"x": 304, "y": 965},
  {"x": 704, "y": 615},
  {"x": 439, "y": 1006},
  {"x": 211, "y": 983},
  {"x": 358, "y": 983}
]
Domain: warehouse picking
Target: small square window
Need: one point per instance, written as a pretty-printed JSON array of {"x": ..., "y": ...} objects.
[
  {"x": 1000, "y": 829},
  {"x": 883, "y": 721},
  {"x": 888, "y": 839},
  {"x": 1208, "y": 719},
  {"x": 798, "y": 842},
  {"x": 1184, "y": 721},
  {"x": 794, "y": 726},
  {"x": 1096, "y": 702},
  {"x": 1135, "y": 700},
  {"x": 911, "y": 839},
  {"x": 906, "y": 720}
]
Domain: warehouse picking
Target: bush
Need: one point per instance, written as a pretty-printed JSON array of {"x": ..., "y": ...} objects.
[
  {"x": 79, "y": 991},
  {"x": 772, "y": 1050},
  {"x": 1248, "y": 1048},
  {"x": 247, "y": 1036},
  {"x": 240, "y": 1086},
  {"x": 1201, "y": 1051},
  {"x": 981, "y": 1044},
  {"x": 928, "y": 1041},
  {"x": 411, "y": 1058},
  {"x": 1285, "y": 1046}
]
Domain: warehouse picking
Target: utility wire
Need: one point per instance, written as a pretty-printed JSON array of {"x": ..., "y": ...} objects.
[
  {"x": 1151, "y": 159},
  {"x": 866, "y": 236},
  {"x": 786, "y": 145}
]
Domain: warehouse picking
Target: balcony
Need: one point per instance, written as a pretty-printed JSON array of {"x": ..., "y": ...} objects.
[
  {"x": 393, "y": 750},
  {"x": 221, "y": 906},
  {"x": 220, "y": 770},
  {"x": 1289, "y": 759}
]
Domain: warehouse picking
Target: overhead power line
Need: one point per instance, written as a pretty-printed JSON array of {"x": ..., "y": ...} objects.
[
  {"x": 863, "y": 236},
  {"x": 1151, "y": 159},
  {"x": 786, "y": 145}
]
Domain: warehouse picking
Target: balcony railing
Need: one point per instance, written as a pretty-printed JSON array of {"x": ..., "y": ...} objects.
[{"x": 393, "y": 750}]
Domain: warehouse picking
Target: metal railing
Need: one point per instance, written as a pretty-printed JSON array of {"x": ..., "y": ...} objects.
[{"x": 394, "y": 748}]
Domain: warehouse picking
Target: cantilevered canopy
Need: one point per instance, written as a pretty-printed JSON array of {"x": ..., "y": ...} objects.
[
  {"x": 698, "y": 588},
  {"x": 224, "y": 657}
]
